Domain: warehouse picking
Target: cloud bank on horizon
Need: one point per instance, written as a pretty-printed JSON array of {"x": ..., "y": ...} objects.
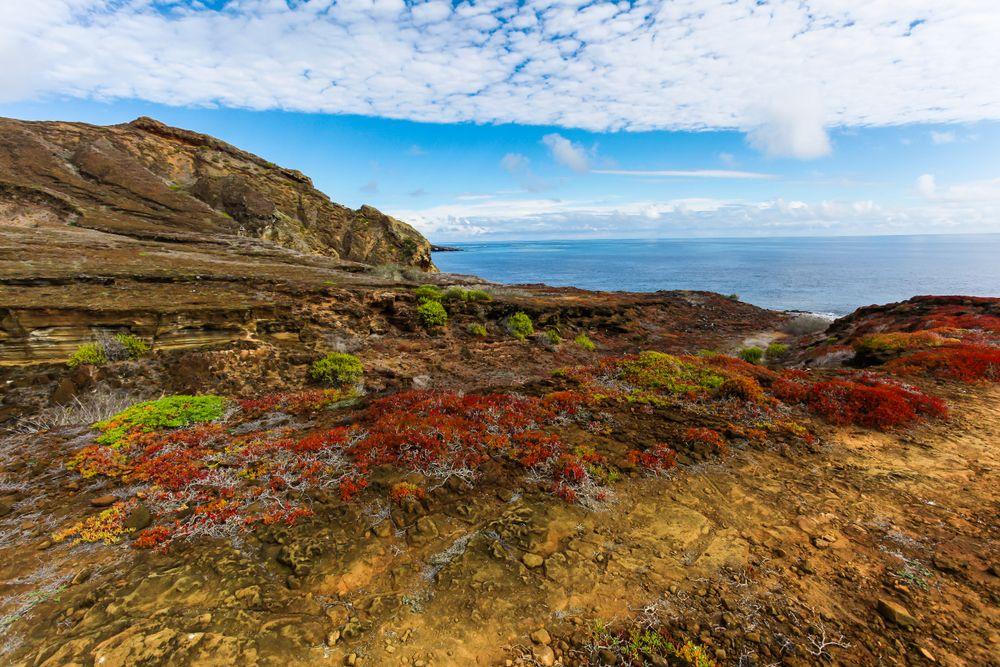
[{"x": 784, "y": 72}]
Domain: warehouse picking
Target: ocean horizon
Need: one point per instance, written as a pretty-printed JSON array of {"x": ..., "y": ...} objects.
[{"x": 828, "y": 275}]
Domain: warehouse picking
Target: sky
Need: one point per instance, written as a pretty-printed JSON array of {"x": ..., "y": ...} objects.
[{"x": 555, "y": 119}]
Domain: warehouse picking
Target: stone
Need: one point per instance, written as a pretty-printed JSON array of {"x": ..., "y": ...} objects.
[
  {"x": 427, "y": 527},
  {"x": 138, "y": 518},
  {"x": 541, "y": 636},
  {"x": 532, "y": 560},
  {"x": 103, "y": 501},
  {"x": 544, "y": 655},
  {"x": 249, "y": 596},
  {"x": 896, "y": 613}
]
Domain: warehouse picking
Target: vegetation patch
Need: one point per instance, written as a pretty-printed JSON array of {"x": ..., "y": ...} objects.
[
  {"x": 426, "y": 293},
  {"x": 872, "y": 402},
  {"x": 297, "y": 402},
  {"x": 163, "y": 413},
  {"x": 751, "y": 355},
  {"x": 776, "y": 351},
  {"x": 466, "y": 295},
  {"x": 519, "y": 326},
  {"x": 966, "y": 362},
  {"x": 88, "y": 353},
  {"x": 432, "y": 314},
  {"x": 583, "y": 341},
  {"x": 477, "y": 329},
  {"x": 337, "y": 369}
]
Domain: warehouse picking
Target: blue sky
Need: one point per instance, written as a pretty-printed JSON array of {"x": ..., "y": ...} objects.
[{"x": 559, "y": 119}]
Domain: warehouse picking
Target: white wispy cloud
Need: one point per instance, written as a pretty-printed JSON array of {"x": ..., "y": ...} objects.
[
  {"x": 686, "y": 173},
  {"x": 704, "y": 63},
  {"x": 567, "y": 153},
  {"x": 942, "y": 137}
]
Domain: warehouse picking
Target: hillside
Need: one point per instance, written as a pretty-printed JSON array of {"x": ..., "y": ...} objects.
[{"x": 146, "y": 180}]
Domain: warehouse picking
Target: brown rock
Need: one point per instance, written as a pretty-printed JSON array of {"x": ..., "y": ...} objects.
[
  {"x": 103, "y": 501},
  {"x": 541, "y": 636},
  {"x": 532, "y": 560},
  {"x": 544, "y": 655},
  {"x": 896, "y": 613}
]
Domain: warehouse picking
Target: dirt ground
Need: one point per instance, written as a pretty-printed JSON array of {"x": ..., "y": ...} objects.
[{"x": 866, "y": 548}]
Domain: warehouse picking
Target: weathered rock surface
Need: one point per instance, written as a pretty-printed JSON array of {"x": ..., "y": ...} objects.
[{"x": 147, "y": 180}]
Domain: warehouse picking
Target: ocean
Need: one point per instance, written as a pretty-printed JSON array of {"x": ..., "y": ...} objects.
[{"x": 833, "y": 275}]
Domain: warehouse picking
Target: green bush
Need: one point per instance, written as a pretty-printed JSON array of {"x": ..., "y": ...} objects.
[
  {"x": 519, "y": 325},
  {"x": 432, "y": 314},
  {"x": 426, "y": 293},
  {"x": 134, "y": 346},
  {"x": 776, "y": 350},
  {"x": 166, "y": 412},
  {"x": 583, "y": 340},
  {"x": 754, "y": 355},
  {"x": 477, "y": 329},
  {"x": 337, "y": 369},
  {"x": 734, "y": 297},
  {"x": 88, "y": 353},
  {"x": 552, "y": 337},
  {"x": 465, "y": 295}
]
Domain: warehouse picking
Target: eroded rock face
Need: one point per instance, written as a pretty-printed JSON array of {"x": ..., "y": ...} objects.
[{"x": 147, "y": 180}]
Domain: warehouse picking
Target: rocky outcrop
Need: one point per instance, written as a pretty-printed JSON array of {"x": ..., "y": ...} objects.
[{"x": 147, "y": 180}]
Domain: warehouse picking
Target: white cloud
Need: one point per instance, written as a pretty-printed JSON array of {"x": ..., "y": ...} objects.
[
  {"x": 942, "y": 137},
  {"x": 790, "y": 128},
  {"x": 512, "y": 163},
  {"x": 966, "y": 207},
  {"x": 983, "y": 193},
  {"x": 926, "y": 185},
  {"x": 567, "y": 153},
  {"x": 519, "y": 166},
  {"x": 686, "y": 173},
  {"x": 704, "y": 63}
]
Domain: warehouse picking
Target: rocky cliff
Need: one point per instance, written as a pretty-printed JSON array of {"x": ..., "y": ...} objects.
[{"x": 147, "y": 180}]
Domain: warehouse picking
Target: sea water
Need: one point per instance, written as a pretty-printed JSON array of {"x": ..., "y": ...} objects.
[{"x": 832, "y": 275}]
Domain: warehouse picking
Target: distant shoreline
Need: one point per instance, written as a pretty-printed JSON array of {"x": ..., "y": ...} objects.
[{"x": 445, "y": 248}]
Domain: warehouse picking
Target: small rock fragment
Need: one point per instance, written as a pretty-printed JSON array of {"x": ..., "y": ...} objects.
[
  {"x": 103, "y": 501},
  {"x": 896, "y": 613},
  {"x": 532, "y": 560},
  {"x": 541, "y": 636}
]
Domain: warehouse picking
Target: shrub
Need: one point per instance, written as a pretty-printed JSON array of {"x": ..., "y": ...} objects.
[
  {"x": 519, "y": 326},
  {"x": 776, "y": 350},
  {"x": 789, "y": 391},
  {"x": 432, "y": 314},
  {"x": 88, "y": 353},
  {"x": 872, "y": 403},
  {"x": 134, "y": 346},
  {"x": 583, "y": 340},
  {"x": 403, "y": 490},
  {"x": 658, "y": 458},
  {"x": 337, "y": 369},
  {"x": 965, "y": 363},
  {"x": 477, "y": 329},
  {"x": 552, "y": 337},
  {"x": 753, "y": 355},
  {"x": 166, "y": 412},
  {"x": 705, "y": 436},
  {"x": 426, "y": 293},
  {"x": 733, "y": 297},
  {"x": 741, "y": 387},
  {"x": 465, "y": 295}
]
